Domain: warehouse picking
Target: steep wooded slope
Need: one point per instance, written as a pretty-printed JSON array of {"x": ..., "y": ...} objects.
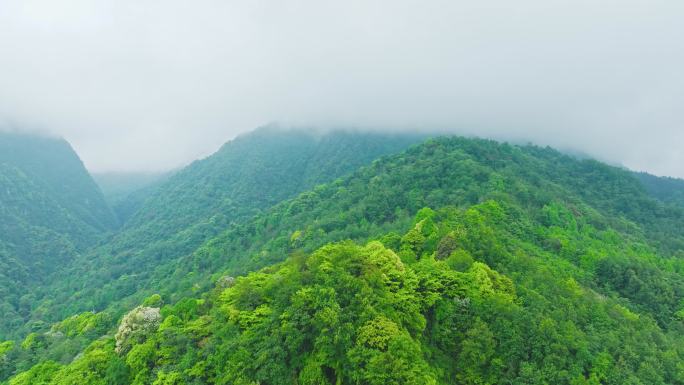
[
  {"x": 667, "y": 189},
  {"x": 50, "y": 210}
]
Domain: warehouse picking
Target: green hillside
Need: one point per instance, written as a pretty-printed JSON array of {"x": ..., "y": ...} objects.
[
  {"x": 50, "y": 210},
  {"x": 247, "y": 175},
  {"x": 457, "y": 261},
  {"x": 664, "y": 188}
]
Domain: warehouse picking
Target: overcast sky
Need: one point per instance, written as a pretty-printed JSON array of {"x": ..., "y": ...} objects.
[{"x": 152, "y": 84}]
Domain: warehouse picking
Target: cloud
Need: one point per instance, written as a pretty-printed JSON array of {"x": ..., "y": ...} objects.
[{"x": 149, "y": 84}]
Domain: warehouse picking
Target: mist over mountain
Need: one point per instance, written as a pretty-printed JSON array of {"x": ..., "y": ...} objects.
[
  {"x": 602, "y": 78},
  {"x": 405, "y": 192},
  {"x": 118, "y": 185}
]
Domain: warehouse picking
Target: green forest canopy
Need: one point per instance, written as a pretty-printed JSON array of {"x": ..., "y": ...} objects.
[{"x": 458, "y": 261}]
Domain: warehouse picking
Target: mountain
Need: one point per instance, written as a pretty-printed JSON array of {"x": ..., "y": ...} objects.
[
  {"x": 51, "y": 166},
  {"x": 247, "y": 175},
  {"x": 456, "y": 261},
  {"x": 253, "y": 172},
  {"x": 666, "y": 189},
  {"x": 50, "y": 210}
]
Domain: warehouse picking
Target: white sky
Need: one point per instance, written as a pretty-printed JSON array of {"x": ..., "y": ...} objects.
[{"x": 151, "y": 84}]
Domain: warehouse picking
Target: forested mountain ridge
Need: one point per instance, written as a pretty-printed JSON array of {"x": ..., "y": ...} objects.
[
  {"x": 664, "y": 188},
  {"x": 247, "y": 175},
  {"x": 50, "y": 210},
  {"x": 458, "y": 261},
  {"x": 53, "y": 166},
  {"x": 257, "y": 170}
]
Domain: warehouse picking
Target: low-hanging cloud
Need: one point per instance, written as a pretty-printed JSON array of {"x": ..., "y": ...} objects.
[{"x": 150, "y": 84}]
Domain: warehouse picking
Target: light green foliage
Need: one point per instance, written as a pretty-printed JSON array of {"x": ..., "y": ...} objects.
[
  {"x": 296, "y": 239},
  {"x": 40, "y": 374},
  {"x": 359, "y": 314},
  {"x": 5, "y": 347},
  {"x": 81, "y": 324},
  {"x": 154, "y": 300},
  {"x": 171, "y": 378},
  {"x": 680, "y": 314},
  {"x": 377, "y": 333},
  {"x": 33, "y": 341}
]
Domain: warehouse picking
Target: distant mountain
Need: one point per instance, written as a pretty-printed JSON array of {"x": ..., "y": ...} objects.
[
  {"x": 455, "y": 261},
  {"x": 126, "y": 192},
  {"x": 666, "y": 189},
  {"x": 50, "y": 210},
  {"x": 246, "y": 176}
]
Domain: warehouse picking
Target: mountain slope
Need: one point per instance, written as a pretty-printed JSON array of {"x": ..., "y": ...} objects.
[
  {"x": 471, "y": 262},
  {"x": 459, "y": 172},
  {"x": 247, "y": 175},
  {"x": 256, "y": 171},
  {"x": 50, "y": 209},
  {"x": 53, "y": 169},
  {"x": 666, "y": 189}
]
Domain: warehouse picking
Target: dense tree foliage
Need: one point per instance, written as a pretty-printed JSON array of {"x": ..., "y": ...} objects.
[
  {"x": 458, "y": 261},
  {"x": 664, "y": 188},
  {"x": 430, "y": 311},
  {"x": 53, "y": 168},
  {"x": 50, "y": 209}
]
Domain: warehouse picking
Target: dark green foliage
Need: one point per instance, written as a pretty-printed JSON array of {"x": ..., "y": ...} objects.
[
  {"x": 666, "y": 189},
  {"x": 656, "y": 291},
  {"x": 52, "y": 168},
  {"x": 50, "y": 209}
]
